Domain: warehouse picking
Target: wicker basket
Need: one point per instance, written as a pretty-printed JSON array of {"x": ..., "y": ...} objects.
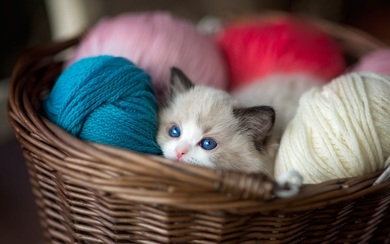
[{"x": 90, "y": 193}]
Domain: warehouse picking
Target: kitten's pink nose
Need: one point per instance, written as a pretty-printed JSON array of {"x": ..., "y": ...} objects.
[
  {"x": 180, "y": 154},
  {"x": 181, "y": 150}
]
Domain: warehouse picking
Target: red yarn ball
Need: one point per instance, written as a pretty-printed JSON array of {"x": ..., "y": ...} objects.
[{"x": 285, "y": 45}]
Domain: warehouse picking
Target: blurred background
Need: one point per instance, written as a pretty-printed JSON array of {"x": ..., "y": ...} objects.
[{"x": 25, "y": 23}]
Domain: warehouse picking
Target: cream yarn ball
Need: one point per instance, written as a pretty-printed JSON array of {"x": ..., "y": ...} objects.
[{"x": 340, "y": 130}]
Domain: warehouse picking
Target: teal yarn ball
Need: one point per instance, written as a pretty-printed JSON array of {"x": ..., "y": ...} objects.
[{"x": 107, "y": 100}]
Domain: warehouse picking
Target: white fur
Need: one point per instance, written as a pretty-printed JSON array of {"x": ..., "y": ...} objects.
[
  {"x": 281, "y": 91},
  {"x": 191, "y": 134}
]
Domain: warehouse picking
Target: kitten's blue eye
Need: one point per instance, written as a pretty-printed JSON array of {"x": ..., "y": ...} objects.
[
  {"x": 208, "y": 144},
  {"x": 174, "y": 131}
]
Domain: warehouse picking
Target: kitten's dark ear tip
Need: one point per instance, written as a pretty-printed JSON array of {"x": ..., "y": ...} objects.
[
  {"x": 267, "y": 112},
  {"x": 175, "y": 70},
  {"x": 176, "y": 73},
  {"x": 179, "y": 81},
  {"x": 270, "y": 111}
]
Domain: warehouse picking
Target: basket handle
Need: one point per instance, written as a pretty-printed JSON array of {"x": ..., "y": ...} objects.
[{"x": 260, "y": 186}]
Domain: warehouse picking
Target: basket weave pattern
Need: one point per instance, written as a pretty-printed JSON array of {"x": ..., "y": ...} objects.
[{"x": 90, "y": 193}]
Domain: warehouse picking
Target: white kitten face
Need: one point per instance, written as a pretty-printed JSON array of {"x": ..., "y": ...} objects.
[
  {"x": 199, "y": 114},
  {"x": 205, "y": 126},
  {"x": 186, "y": 148}
]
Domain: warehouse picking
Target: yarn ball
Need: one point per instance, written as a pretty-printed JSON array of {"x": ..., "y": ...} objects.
[
  {"x": 340, "y": 130},
  {"x": 377, "y": 61},
  {"x": 155, "y": 42},
  {"x": 254, "y": 49},
  {"x": 107, "y": 100}
]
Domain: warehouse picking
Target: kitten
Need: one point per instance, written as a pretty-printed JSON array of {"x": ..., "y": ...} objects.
[{"x": 204, "y": 126}]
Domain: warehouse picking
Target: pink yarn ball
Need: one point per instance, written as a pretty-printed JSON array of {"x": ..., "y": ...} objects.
[
  {"x": 378, "y": 61},
  {"x": 156, "y": 41},
  {"x": 259, "y": 48}
]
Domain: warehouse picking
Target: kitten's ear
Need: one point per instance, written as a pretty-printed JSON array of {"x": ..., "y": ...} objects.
[
  {"x": 256, "y": 122},
  {"x": 179, "y": 81}
]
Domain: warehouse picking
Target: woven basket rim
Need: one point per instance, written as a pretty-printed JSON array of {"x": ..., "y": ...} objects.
[{"x": 107, "y": 169}]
